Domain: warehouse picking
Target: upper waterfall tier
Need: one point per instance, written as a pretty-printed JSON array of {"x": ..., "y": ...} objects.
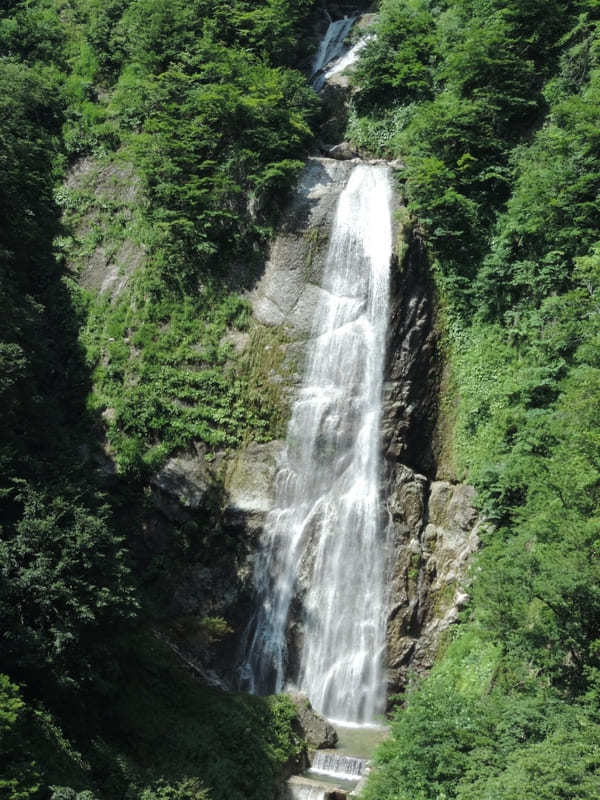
[
  {"x": 343, "y": 62},
  {"x": 330, "y": 48},
  {"x": 326, "y": 523}
]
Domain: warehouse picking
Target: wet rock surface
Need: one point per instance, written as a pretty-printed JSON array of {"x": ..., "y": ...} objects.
[
  {"x": 288, "y": 292},
  {"x": 432, "y": 526},
  {"x": 434, "y": 533},
  {"x": 314, "y": 729},
  {"x": 412, "y": 373}
]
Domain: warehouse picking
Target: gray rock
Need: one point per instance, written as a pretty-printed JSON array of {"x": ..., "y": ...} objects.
[
  {"x": 412, "y": 372},
  {"x": 185, "y": 482},
  {"x": 116, "y": 184},
  {"x": 434, "y": 534},
  {"x": 343, "y": 151},
  {"x": 250, "y": 478},
  {"x": 287, "y": 294},
  {"x": 301, "y": 786},
  {"x": 239, "y": 340},
  {"x": 315, "y": 729}
]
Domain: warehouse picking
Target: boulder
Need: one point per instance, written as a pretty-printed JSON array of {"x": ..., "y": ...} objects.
[
  {"x": 343, "y": 151},
  {"x": 315, "y": 729},
  {"x": 182, "y": 485}
]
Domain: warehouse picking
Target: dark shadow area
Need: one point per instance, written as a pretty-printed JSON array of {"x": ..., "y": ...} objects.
[{"x": 412, "y": 371}]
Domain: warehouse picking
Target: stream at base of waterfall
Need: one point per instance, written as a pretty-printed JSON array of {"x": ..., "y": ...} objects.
[
  {"x": 339, "y": 774},
  {"x": 326, "y": 527}
]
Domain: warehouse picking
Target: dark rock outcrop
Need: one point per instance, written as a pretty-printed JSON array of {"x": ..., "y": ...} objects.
[
  {"x": 412, "y": 371},
  {"x": 312, "y": 727},
  {"x": 434, "y": 532}
]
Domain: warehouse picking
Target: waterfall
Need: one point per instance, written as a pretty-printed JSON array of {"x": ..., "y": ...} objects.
[
  {"x": 305, "y": 792},
  {"x": 347, "y": 59},
  {"x": 330, "y": 48},
  {"x": 338, "y": 766},
  {"x": 323, "y": 542}
]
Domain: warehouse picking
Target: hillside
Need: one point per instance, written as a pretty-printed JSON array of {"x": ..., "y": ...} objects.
[
  {"x": 150, "y": 150},
  {"x": 493, "y": 106}
]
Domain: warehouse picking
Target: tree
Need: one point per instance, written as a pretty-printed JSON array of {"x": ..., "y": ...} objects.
[{"x": 65, "y": 590}]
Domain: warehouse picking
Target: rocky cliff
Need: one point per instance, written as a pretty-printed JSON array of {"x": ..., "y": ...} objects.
[
  {"x": 219, "y": 506},
  {"x": 432, "y": 526},
  {"x": 432, "y": 529}
]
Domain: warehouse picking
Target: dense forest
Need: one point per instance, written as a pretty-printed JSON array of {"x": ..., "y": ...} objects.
[
  {"x": 494, "y": 107},
  {"x": 169, "y": 131},
  {"x": 192, "y": 117}
]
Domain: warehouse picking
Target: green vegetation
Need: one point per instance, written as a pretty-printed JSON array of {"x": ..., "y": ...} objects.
[
  {"x": 183, "y": 381},
  {"x": 468, "y": 732},
  {"x": 197, "y": 127},
  {"x": 165, "y": 737},
  {"x": 494, "y": 108},
  {"x": 146, "y": 148}
]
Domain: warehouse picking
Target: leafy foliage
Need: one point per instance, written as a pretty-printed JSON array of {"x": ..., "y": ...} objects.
[
  {"x": 204, "y": 115},
  {"x": 502, "y": 172},
  {"x": 187, "y": 789},
  {"x": 64, "y": 586},
  {"x": 18, "y": 779},
  {"x": 196, "y": 120},
  {"x": 467, "y": 733},
  {"x": 240, "y": 127}
]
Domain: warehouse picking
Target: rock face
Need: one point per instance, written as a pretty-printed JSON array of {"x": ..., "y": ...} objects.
[
  {"x": 432, "y": 526},
  {"x": 108, "y": 269},
  {"x": 288, "y": 292},
  {"x": 250, "y": 480},
  {"x": 434, "y": 531},
  {"x": 342, "y": 151},
  {"x": 412, "y": 367},
  {"x": 183, "y": 484},
  {"x": 199, "y": 534},
  {"x": 313, "y": 728}
]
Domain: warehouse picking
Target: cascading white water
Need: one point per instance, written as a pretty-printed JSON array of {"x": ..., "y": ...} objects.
[
  {"x": 305, "y": 792},
  {"x": 326, "y": 522},
  {"x": 338, "y": 765},
  {"x": 330, "y": 48},
  {"x": 347, "y": 59}
]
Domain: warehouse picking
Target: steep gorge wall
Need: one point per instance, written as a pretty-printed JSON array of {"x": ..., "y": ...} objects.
[
  {"x": 198, "y": 508},
  {"x": 432, "y": 525}
]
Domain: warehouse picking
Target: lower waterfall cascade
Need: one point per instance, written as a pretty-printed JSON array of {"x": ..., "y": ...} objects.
[
  {"x": 324, "y": 544},
  {"x": 338, "y": 765}
]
